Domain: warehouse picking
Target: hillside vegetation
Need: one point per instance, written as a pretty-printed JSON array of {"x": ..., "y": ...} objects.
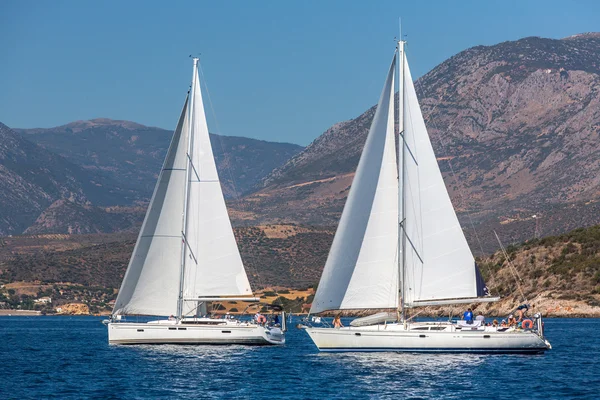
[
  {"x": 32, "y": 178},
  {"x": 559, "y": 275}
]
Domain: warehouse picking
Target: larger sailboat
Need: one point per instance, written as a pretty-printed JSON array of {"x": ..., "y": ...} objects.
[
  {"x": 186, "y": 254},
  {"x": 399, "y": 245}
]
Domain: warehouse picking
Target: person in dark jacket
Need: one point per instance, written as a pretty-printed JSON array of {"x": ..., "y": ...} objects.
[{"x": 522, "y": 309}]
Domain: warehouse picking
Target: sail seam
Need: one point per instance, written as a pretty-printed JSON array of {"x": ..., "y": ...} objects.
[{"x": 167, "y": 236}]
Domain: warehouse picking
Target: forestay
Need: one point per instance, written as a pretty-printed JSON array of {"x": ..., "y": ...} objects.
[{"x": 362, "y": 267}]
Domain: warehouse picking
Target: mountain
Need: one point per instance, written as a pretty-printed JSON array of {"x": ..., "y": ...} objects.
[
  {"x": 280, "y": 255},
  {"x": 558, "y": 275},
  {"x": 515, "y": 127},
  {"x": 132, "y": 154},
  {"x": 32, "y": 178},
  {"x": 68, "y": 217}
]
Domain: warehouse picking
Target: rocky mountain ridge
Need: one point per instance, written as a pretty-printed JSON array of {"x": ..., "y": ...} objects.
[
  {"x": 132, "y": 153},
  {"x": 515, "y": 127},
  {"x": 32, "y": 178},
  {"x": 69, "y": 217},
  {"x": 102, "y": 152}
]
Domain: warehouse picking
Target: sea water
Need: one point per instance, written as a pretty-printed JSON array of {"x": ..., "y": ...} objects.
[{"x": 69, "y": 358}]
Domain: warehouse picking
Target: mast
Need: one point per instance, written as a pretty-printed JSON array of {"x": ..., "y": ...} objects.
[
  {"x": 401, "y": 178},
  {"x": 186, "y": 190}
]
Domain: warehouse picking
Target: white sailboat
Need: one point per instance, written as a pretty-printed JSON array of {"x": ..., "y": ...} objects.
[
  {"x": 186, "y": 254},
  {"x": 399, "y": 245}
]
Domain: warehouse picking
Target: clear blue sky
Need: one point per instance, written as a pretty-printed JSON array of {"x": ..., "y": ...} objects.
[{"x": 276, "y": 70}]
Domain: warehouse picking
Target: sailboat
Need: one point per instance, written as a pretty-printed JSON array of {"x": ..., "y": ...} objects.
[
  {"x": 399, "y": 245},
  {"x": 186, "y": 255}
]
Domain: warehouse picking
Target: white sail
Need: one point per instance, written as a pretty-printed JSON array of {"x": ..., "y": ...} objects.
[
  {"x": 439, "y": 264},
  {"x": 362, "y": 267},
  {"x": 151, "y": 282},
  {"x": 213, "y": 265}
]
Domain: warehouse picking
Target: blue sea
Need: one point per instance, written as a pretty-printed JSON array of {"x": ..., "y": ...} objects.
[{"x": 69, "y": 358}]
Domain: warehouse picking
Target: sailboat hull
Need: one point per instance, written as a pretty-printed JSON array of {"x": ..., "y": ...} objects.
[
  {"x": 394, "y": 337},
  {"x": 177, "y": 333}
]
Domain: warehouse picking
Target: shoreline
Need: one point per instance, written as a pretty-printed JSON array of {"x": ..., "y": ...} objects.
[
  {"x": 33, "y": 313},
  {"x": 20, "y": 313}
]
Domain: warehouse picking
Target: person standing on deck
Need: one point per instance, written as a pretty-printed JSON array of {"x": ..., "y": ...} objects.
[
  {"x": 337, "y": 322},
  {"x": 480, "y": 318},
  {"x": 522, "y": 309},
  {"x": 468, "y": 316}
]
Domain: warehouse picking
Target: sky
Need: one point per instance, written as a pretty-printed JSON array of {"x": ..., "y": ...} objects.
[{"x": 281, "y": 71}]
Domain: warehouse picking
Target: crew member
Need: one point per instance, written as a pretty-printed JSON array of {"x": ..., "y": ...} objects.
[{"x": 468, "y": 316}]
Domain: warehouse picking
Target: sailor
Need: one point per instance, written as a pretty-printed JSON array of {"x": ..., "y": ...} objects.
[
  {"x": 480, "y": 318},
  {"x": 522, "y": 309},
  {"x": 260, "y": 319},
  {"x": 337, "y": 322},
  {"x": 512, "y": 321},
  {"x": 468, "y": 316}
]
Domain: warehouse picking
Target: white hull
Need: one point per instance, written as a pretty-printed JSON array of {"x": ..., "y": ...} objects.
[
  {"x": 445, "y": 339},
  {"x": 171, "y": 332}
]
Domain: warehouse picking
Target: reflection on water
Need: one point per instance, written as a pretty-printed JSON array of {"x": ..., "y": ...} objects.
[
  {"x": 418, "y": 375},
  {"x": 194, "y": 351},
  {"x": 408, "y": 362}
]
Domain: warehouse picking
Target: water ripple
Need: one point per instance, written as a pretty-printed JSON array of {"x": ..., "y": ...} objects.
[{"x": 68, "y": 358}]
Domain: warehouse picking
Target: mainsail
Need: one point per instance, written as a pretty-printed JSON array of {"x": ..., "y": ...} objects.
[
  {"x": 212, "y": 263},
  {"x": 438, "y": 263},
  {"x": 362, "y": 267}
]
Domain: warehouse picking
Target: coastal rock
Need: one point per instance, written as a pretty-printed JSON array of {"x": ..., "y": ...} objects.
[{"x": 74, "y": 309}]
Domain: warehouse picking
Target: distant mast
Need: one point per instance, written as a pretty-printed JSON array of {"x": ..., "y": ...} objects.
[
  {"x": 401, "y": 178},
  {"x": 184, "y": 242}
]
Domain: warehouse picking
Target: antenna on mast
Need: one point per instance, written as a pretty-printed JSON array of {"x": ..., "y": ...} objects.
[
  {"x": 400, "y": 28},
  {"x": 401, "y": 38}
]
